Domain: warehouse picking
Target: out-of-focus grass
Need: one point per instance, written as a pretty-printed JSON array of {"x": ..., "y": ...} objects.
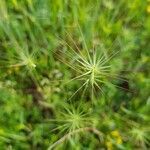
[{"x": 44, "y": 49}]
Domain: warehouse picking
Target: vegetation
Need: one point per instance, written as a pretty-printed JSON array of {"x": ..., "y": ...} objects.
[{"x": 74, "y": 74}]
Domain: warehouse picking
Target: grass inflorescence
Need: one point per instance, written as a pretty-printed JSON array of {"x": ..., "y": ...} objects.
[{"x": 74, "y": 74}]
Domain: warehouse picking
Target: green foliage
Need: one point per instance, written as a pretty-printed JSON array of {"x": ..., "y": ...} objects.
[{"x": 74, "y": 74}]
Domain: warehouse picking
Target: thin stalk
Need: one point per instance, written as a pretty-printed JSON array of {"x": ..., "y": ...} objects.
[{"x": 67, "y": 136}]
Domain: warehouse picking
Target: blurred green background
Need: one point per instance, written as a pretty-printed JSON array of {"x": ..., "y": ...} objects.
[{"x": 34, "y": 75}]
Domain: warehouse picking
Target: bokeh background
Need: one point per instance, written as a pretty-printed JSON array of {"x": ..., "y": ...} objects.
[{"x": 35, "y": 78}]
